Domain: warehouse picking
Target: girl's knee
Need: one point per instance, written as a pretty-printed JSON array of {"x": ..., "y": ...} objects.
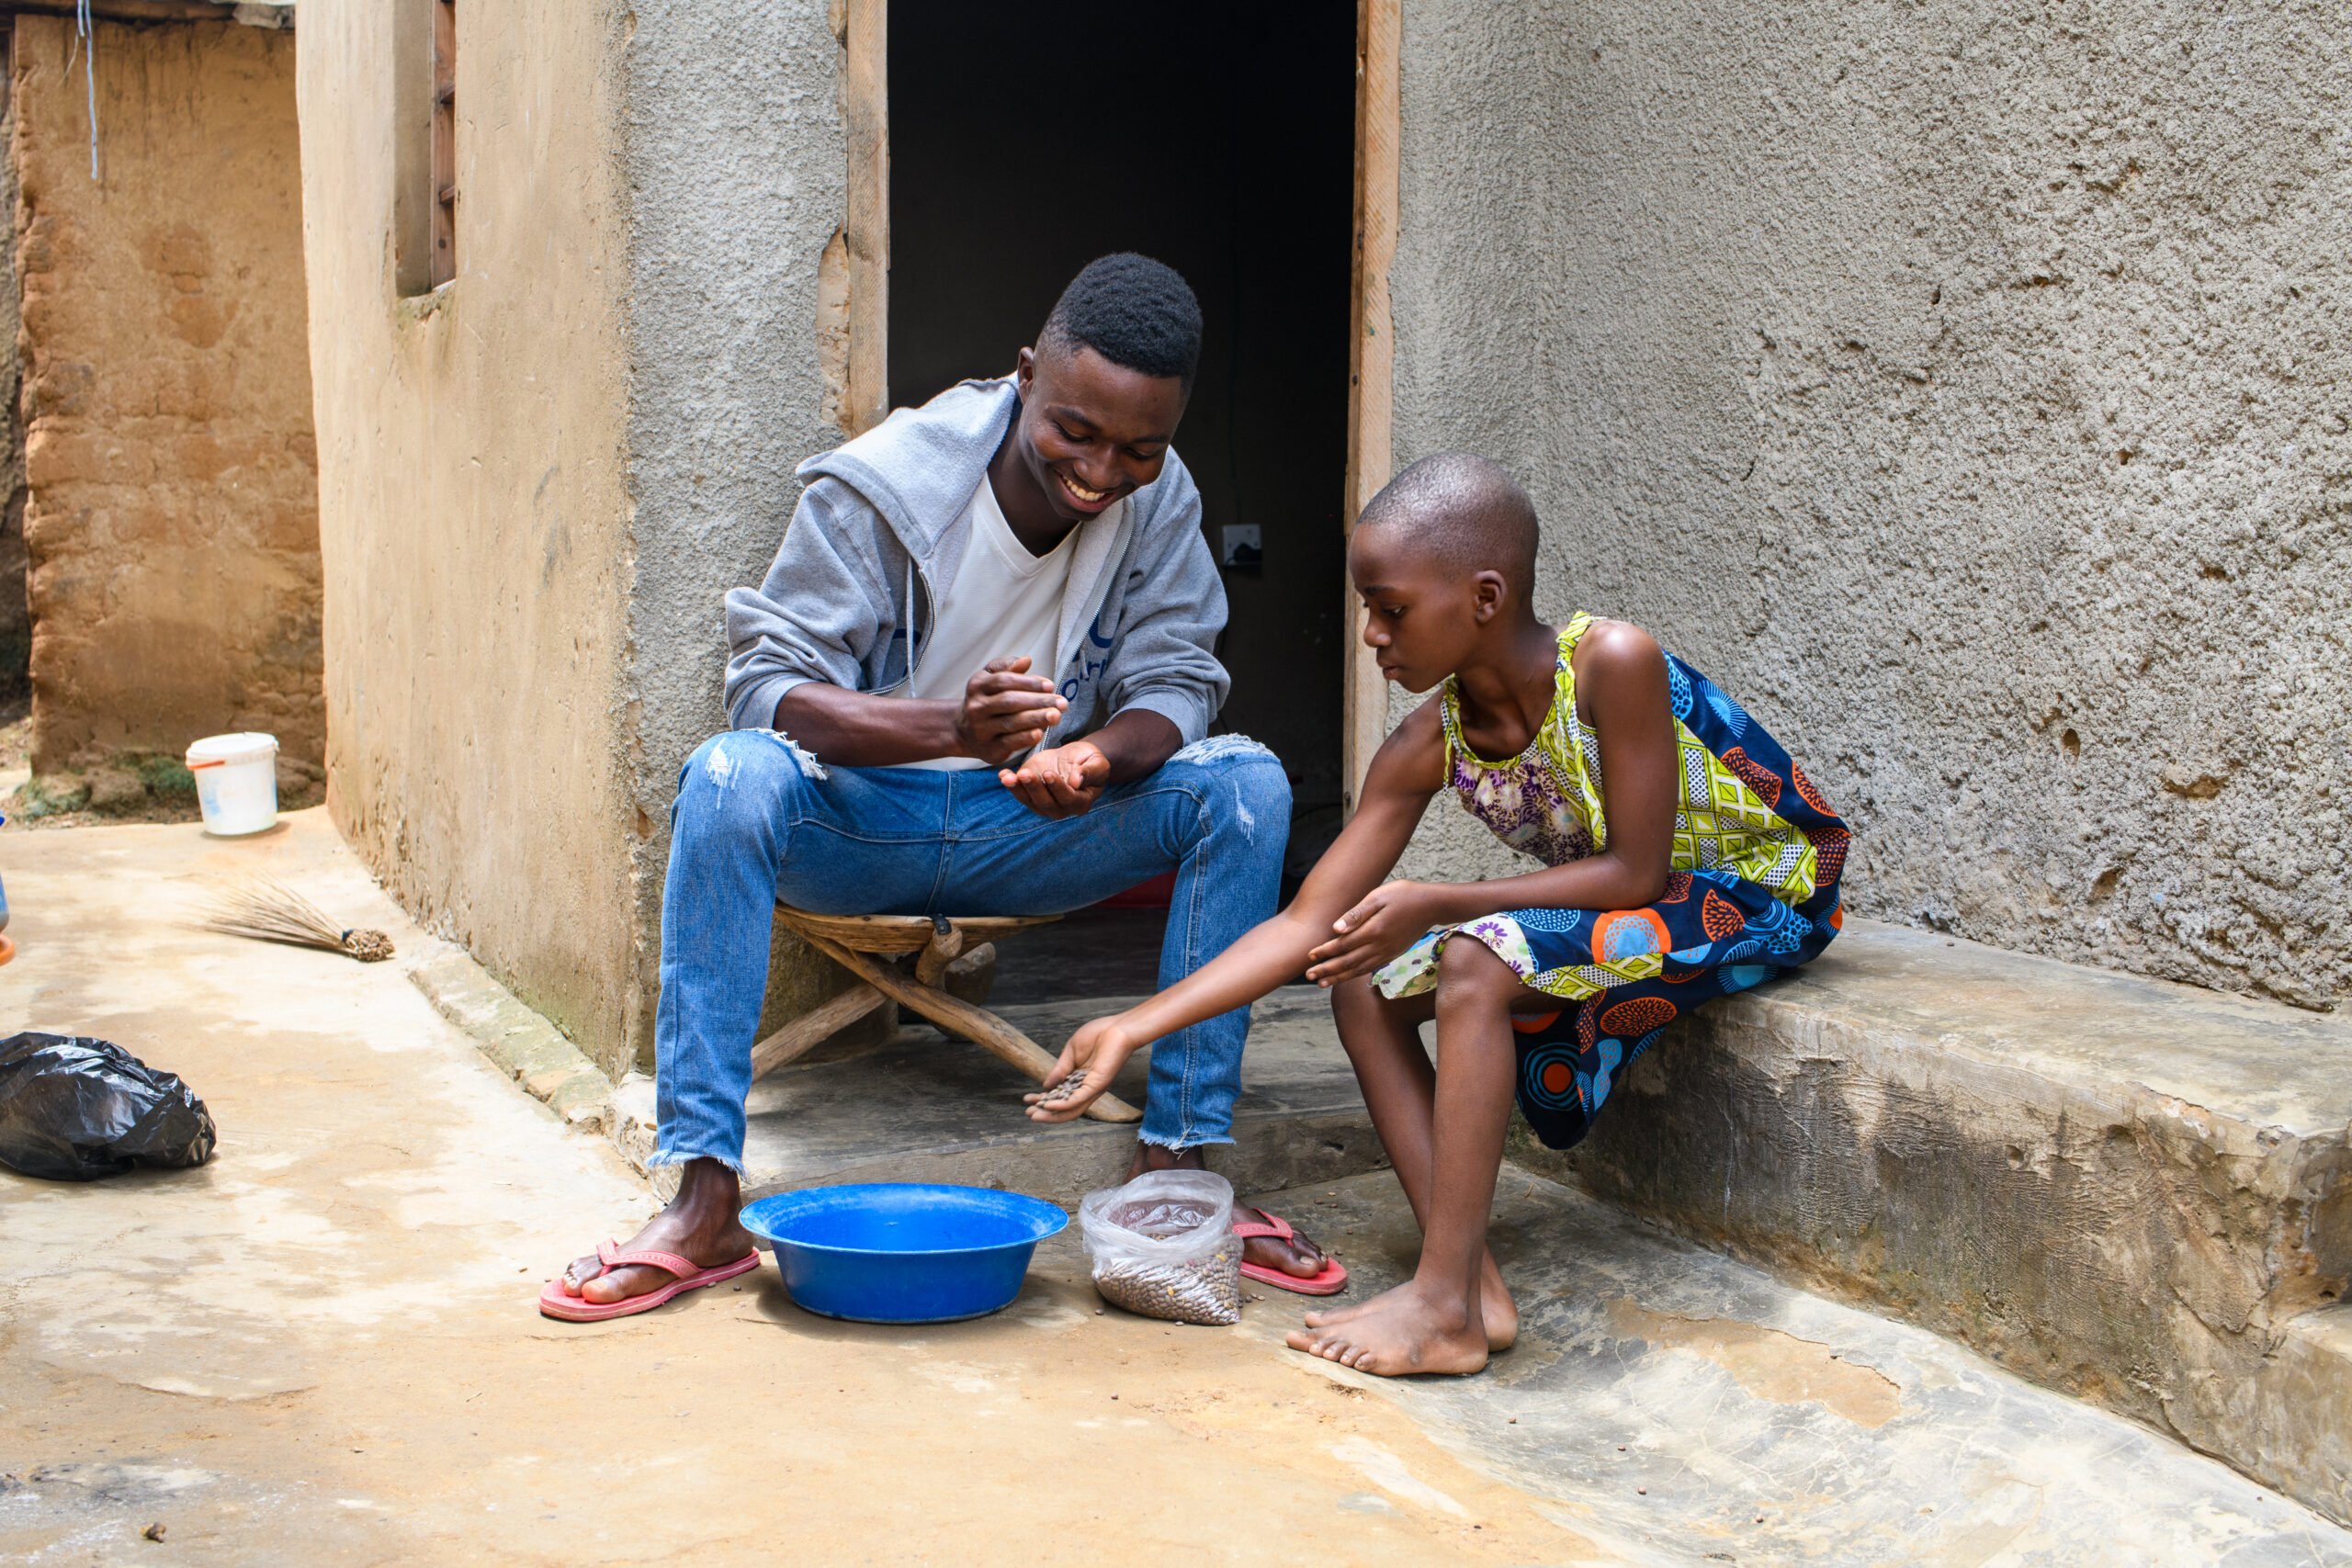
[
  {"x": 1468, "y": 970},
  {"x": 1354, "y": 1000}
]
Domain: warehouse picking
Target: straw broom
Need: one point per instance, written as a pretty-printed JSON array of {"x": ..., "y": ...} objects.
[{"x": 267, "y": 910}]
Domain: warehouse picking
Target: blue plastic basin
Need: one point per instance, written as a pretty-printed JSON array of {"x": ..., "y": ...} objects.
[{"x": 903, "y": 1251}]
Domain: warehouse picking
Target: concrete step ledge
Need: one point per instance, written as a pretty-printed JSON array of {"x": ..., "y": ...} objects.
[
  {"x": 2296, "y": 1416},
  {"x": 2138, "y": 1192},
  {"x": 529, "y": 1049}
]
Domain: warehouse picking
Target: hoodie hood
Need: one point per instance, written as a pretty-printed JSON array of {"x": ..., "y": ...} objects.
[{"x": 918, "y": 466}]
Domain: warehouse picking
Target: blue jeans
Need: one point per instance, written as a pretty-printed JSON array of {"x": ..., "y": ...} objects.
[{"x": 757, "y": 820}]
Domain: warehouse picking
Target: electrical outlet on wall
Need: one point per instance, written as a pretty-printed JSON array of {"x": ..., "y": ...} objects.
[{"x": 1237, "y": 547}]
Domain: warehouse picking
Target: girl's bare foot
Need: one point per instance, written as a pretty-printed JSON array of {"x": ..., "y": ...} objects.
[
  {"x": 1495, "y": 1308},
  {"x": 1409, "y": 1330}
]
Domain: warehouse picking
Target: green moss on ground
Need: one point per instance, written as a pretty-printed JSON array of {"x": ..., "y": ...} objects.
[
  {"x": 164, "y": 775},
  {"x": 137, "y": 786},
  {"x": 52, "y": 796}
]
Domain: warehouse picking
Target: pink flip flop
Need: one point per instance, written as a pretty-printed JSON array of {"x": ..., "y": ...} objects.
[
  {"x": 555, "y": 1301},
  {"x": 1329, "y": 1281}
]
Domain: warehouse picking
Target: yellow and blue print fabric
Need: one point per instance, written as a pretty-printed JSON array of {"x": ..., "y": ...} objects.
[{"x": 1757, "y": 857}]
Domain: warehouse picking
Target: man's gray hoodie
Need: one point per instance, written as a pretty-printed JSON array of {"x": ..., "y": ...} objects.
[{"x": 879, "y": 534}]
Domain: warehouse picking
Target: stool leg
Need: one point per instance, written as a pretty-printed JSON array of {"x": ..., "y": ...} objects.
[
  {"x": 813, "y": 1028},
  {"x": 969, "y": 978},
  {"x": 937, "y": 954},
  {"x": 983, "y": 1028},
  {"x": 973, "y": 976}
]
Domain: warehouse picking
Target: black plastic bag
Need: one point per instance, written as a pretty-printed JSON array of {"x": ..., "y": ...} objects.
[{"x": 74, "y": 1108}]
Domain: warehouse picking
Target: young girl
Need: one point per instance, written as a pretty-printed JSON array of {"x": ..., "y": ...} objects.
[{"x": 1685, "y": 856}]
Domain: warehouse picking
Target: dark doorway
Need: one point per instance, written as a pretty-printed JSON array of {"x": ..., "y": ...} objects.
[{"x": 1028, "y": 137}]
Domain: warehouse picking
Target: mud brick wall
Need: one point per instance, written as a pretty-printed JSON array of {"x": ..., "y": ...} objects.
[
  {"x": 172, "y": 520},
  {"x": 16, "y": 610}
]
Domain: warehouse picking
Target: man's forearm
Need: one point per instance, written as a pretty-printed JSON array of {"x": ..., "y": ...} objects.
[
  {"x": 858, "y": 729},
  {"x": 1136, "y": 742}
]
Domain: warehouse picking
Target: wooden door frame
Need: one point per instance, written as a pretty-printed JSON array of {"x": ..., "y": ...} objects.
[
  {"x": 1371, "y": 358},
  {"x": 854, "y": 282}
]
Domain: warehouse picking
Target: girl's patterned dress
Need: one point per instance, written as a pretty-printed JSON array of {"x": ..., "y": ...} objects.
[{"x": 1753, "y": 890}]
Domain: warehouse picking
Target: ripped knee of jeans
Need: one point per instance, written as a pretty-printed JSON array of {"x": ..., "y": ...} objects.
[
  {"x": 1222, "y": 748},
  {"x": 806, "y": 759},
  {"x": 1245, "y": 776},
  {"x": 741, "y": 756}
]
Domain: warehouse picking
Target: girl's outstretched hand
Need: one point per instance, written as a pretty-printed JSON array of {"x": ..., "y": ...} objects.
[
  {"x": 1389, "y": 920},
  {"x": 1088, "y": 1063}
]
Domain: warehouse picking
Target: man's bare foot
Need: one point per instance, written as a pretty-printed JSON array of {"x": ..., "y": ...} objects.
[
  {"x": 700, "y": 1223},
  {"x": 1495, "y": 1308},
  {"x": 1300, "y": 1257},
  {"x": 1409, "y": 1330}
]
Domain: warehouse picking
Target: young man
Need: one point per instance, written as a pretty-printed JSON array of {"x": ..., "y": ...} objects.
[{"x": 978, "y": 680}]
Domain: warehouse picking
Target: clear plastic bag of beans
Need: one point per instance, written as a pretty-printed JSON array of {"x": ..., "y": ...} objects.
[{"x": 1163, "y": 1245}]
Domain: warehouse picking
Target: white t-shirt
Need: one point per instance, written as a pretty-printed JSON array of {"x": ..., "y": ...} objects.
[{"x": 1003, "y": 603}]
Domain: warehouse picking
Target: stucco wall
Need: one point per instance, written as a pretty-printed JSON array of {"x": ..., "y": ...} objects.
[
  {"x": 737, "y": 166},
  {"x": 474, "y": 508},
  {"x": 1965, "y": 388},
  {"x": 172, "y": 519}
]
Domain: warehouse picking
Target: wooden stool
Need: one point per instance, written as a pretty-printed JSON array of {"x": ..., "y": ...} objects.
[{"x": 857, "y": 942}]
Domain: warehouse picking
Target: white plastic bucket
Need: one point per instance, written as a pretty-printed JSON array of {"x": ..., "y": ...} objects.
[{"x": 236, "y": 782}]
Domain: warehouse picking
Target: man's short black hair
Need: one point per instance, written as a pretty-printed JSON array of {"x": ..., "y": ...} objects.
[
  {"x": 1134, "y": 311},
  {"x": 1466, "y": 512}
]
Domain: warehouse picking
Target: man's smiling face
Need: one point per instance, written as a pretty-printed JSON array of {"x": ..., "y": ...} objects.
[{"x": 1091, "y": 431}]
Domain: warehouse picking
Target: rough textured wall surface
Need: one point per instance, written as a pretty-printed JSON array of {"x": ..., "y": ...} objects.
[
  {"x": 172, "y": 518},
  {"x": 16, "y": 607},
  {"x": 473, "y": 509},
  {"x": 1964, "y": 388},
  {"x": 736, "y": 167}
]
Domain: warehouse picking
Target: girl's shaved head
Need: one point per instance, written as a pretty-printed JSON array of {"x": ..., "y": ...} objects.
[{"x": 1463, "y": 512}]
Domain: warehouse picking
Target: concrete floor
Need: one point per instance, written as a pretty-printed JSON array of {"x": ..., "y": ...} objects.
[
  {"x": 951, "y": 1111},
  {"x": 321, "y": 1348},
  {"x": 1668, "y": 1401}
]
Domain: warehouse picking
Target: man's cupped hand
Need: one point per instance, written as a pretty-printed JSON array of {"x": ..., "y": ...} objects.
[{"x": 1060, "y": 781}]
